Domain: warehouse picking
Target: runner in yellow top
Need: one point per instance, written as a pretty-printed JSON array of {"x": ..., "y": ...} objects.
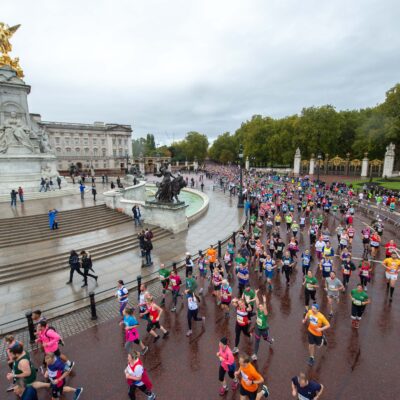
[
  {"x": 317, "y": 325},
  {"x": 392, "y": 266}
]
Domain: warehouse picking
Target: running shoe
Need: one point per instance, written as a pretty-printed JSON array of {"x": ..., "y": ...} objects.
[
  {"x": 165, "y": 334},
  {"x": 173, "y": 309},
  {"x": 271, "y": 341},
  {"x": 265, "y": 390},
  {"x": 204, "y": 319},
  {"x": 311, "y": 361},
  {"x": 235, "y": 350},
  {"x": 156, "y": 338},
  {"x": 223, "y": 390},
  {"x": 10, "y": 388},
  {"x": 153, "y": 396},
  {"x": 144, "y": 351},
  {"x": 189, "y": 332},
  {"x": 254, "y": 357},
  {"x": 78, "y": 393},
  {"x": 234, "y": 385}
]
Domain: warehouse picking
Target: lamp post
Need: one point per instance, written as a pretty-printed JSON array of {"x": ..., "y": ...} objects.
[
  {"x": 240, "y": 198},
  {"x": 319, "y": 157},
  {"x": 127, "y": 161}
]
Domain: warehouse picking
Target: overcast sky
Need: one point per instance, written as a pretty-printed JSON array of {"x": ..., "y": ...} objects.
[{"x": 168, "y": 67}]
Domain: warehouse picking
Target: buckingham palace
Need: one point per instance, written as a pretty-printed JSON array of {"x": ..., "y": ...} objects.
[{"x": 101, "y": 146}]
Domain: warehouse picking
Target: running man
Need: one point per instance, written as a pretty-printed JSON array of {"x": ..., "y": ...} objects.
[
  {"x": 262, "y": 327},
  {"x": 176, "y": 283},
  {"x": 310, "y": 284},
  {"x": 316, "y": 327},
  {"x": 333, "y": 286},
  {"x": 242, "y": 322},
  {"x": 304, "y": 389},
  {"x": 193, "y": 310},
  {"x": 164, "y": 278},
  {"x": 250, "y": 381},
  {"x": 122, "y": 295}
]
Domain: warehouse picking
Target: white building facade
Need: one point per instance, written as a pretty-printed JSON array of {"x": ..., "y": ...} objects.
[{"x": 106, "y": 147}]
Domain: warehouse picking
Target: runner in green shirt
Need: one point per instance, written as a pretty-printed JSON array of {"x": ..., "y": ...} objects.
[
  {"x": 164, "y": 274},
  {"x": 22, "y": 366},
  {"x": 359, "y": 299},
  {"x": 262, "y": 327},
  {"x": 310, "y": 284}
]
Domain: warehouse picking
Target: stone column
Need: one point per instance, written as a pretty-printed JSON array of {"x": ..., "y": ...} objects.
[
  {"x": 388, "y": 162},
  {"x": 297, "y": 160},
  {"x": 177, "y": 163},
  {"x": 364, "y": 165},
  {"x": 247, "y": 164},
  {"x": 312, "y": 165},
  {"x": 141, "y": 167}
]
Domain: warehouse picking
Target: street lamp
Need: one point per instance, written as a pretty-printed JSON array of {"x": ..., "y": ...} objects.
[
  {"x": 240, "y": 198},
  {"x": 319, "y": 157}
]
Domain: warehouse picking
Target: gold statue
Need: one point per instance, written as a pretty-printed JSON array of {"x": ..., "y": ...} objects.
[{"x": 6, "y": 32}]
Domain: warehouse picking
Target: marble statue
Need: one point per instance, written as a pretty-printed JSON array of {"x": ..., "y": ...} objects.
[
  {"x": 14, "y": 132},
  {"x": 48, "y": 171},
  {"x": 44, "y": 144}
]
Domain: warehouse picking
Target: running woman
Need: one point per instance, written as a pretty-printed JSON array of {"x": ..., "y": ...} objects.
[
  {"x": 226, "y": 297},
  {"x": 326, "y": 267},
  {"x": 154, "y": 311},
  {"x": 202, "y": 266},
  {"x": 317, "y": 324},
  {"x": 250, "y": 381},
  {"x": 359, "y": 299},
  {"x": 227, "y": 365},
  {"x": 392, "y": 266},
  {"x": 306, "y": 259},
  {"x": 310, "y": 284},
  {"x": 175, "y": 281},
  {"x": 365, "y": 273},
  {"x": 269, "y": 266},
  {"x": 137, "y": 378},
  {"x": 216, "y": 278},
  {"x": 122, "y": 295},
  {"x": 375, "y": 242},
  {"x": 347, "y": 268},
  {"x": 193, "y": 310},
  {"x": 130, "y": 324},
  {"x": 262, "y": 327},
  {"x": 304, "y": 389},
  {"x": 242, "y": 322},
  {"x": 287, "y": 266},
  {"x": 142, "y": 295},
  {"x": 333, "y": 286}
]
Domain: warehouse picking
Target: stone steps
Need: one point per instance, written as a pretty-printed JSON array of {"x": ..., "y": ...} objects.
[
  {"x": 39, "y": 266},
  {"x": 69, "y": 191},
  {"x": 32, "y": 229}
]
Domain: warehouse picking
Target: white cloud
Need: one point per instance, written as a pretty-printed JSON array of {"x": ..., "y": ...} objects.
[{"x": 168, "y": 67}]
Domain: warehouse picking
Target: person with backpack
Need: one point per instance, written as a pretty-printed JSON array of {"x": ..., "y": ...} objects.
[
  {"x": 50, "y": 339},
  {"x": 87, "y": 265}
]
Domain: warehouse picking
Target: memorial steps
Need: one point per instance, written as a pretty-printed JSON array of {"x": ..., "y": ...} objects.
[
  {"x": 41, "y": 266},
  {"x": 35, "y": 228},
  {"x": 65, "y": 191}
]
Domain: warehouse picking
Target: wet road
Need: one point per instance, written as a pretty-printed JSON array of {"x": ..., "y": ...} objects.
[{"x": 357, "y": 364}]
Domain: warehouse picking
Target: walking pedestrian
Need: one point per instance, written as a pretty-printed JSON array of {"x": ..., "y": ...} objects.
[
  {"x": 87, "y": 265},
  {"x": 13, "y": 195},
  {"x": 148, "y": 247},
  {"x": 59, "y": 182},
  {"x": 53, "y": 222},
  {"x": 94, "y": 192},
  {"x": 74, "y": 266},
  {"x": 136, "y": 215},
  {"x": 82, "y": 189},
  {"x": 21, "y": 194}
]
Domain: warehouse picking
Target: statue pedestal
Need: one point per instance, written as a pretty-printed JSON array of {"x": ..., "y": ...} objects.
[{"x": 170, "y": 216}]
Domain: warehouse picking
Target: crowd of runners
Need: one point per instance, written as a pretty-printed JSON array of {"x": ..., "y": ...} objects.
[{"x": 281, "y": 213}]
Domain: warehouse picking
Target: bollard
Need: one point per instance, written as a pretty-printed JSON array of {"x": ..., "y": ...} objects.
[
  {"x": 234, "y": 238},
  {"x": 139, "y": 283},
  {"x": 31, "y": 327},
  {"x": 219, "y": 249},
  {"x": 92, "y": 306}
]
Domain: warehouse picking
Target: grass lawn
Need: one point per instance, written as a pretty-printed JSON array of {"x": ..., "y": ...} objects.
[{"x": 393, "y": 183}]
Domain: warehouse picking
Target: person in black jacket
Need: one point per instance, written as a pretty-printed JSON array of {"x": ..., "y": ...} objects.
[
  {"x": 141, "y": 243},
  {"x": 148, "y": 247},
  {"x": 86, "y": 262},
  {"x": 74, "y": 266}
]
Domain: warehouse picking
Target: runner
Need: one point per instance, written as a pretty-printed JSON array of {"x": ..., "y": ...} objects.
[
  {"x": 287, "y": 266},
  {"x": 130, "y": 324},
  {"x": 359, "y": 299},
  {"x": 176, "y": 283},
  {"x": 189, "y": 264},
  {"x": 216, "y": 278},
  {"x": 347, "y": 268},
  {"x": 211, "y": 254},
  {"x": 122, "y": 295},
  {"x": 249, "y": 297},
  {"x": 164, "y": 274},
  {"x": 269, "y": 266},
  {"x": 137, "y": 378},
  {"x": 333, "y": 286},
  {"x": 365, "y": 273},
  {"x": 304, "y": 389},
  {"x": 154, "y": 311},
  {"x": 392, "y": 266},
  {"x": 262, "y": 328},
  {"x": 142, "y": 294},
  {"x": 306, "y": 259},
  {"x": 193, "y": 310},
  {"x": 201, "y": 264},
  {"x": 316, "y": 327},
  {"x": 23, "y": 391},
  {"x": 250, "y": 381},
  {"x": 227, "y": 365},
  {"x": 243, "y": 277},
  {"x": 375, "y": 242},
  {"x": 22, "y": 367},
  {"x": 226, "y": 297},
  {"x": 326, "y": 267},
  {"x": 242, "y": 322},
  {"x": 310, "y": 284}
]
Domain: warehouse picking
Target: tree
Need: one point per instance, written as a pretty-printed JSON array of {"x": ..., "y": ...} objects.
[{"x": 196, "y": 146}]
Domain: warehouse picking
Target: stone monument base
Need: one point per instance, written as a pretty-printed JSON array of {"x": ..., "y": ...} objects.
[{"x": 170, "y": 216}]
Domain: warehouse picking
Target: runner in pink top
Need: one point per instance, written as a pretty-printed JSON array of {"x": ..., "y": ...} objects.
[{"x": 227, "y": 365}]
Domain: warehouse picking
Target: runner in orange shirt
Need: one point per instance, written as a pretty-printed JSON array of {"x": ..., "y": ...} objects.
[
  {"x": 317, "y": 325},
  {"x": 212, "y": 257},
  {"x": 250, "y": 379},
  {"x": 392, "y": 266}
]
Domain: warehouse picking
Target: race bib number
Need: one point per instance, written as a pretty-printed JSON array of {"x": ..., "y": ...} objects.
[{"x": 357, "y": 302}]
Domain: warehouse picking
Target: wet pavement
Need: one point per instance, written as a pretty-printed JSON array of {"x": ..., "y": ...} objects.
[{"x": 356, "y": 364}]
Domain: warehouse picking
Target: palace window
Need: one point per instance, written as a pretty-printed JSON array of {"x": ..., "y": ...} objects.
[
  {"x": 77, "y": 150},
  {"x": 104, "y": 151},
  {"x": 95, "y": 151}
]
